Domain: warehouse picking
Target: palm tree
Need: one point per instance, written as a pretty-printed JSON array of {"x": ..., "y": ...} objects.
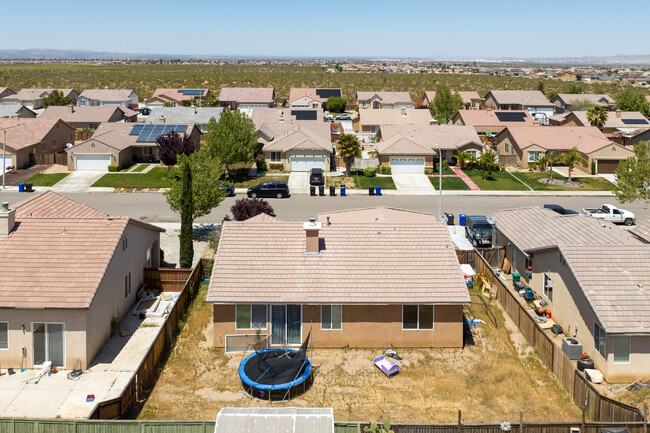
[
  {"x": 461, "y": 158},
  {"x": 572, "y": 157},
  {"x": 348, "y": 148},
  {"x": 597, "y": 116},
  {"x": 551, "y": 158}
]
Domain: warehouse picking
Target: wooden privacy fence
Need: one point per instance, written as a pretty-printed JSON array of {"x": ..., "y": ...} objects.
[
  {"x": 80, "y": 135},
  {"x": 48, "y": 158},
  {"x": 600, "y": 407},
  {"x": 166, "y": 279},
  {"x": 119, "y": 408}
]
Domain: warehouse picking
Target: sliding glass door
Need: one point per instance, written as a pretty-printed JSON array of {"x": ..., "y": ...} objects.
[
  {"x": 286, "y": 325},
  {"x": 48, "y": 341}
]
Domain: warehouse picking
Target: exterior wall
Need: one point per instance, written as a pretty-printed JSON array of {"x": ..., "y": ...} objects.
[
  {"x": 286, "y": 157},
  {"x": 629, "y": 142},
  {"x": 490, "y": 102},
  {"x": 93, "y": 147},
  {"x": 505, "y": 138},
  {"x": 137, "y": 153},
  {"x": 305, "y": 102},
  {"x": 362, "y": 326},
  {"x": 57, "y": 138},
  {"x": 610, "y": 152},
  {"x": 21, "y": 156}
]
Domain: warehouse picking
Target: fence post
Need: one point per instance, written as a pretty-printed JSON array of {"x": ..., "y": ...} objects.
[
  {"x": 521, "y": 422},
  {"x": 460, "y": 422},
  {"x": 582, "y": 424},
  {"x": 645, "y": 417}
]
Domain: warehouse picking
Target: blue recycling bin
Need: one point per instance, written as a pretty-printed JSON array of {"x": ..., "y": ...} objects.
[
  {"x": 342, "y": 190},
  {"x": 461, "y": 219},
  {"x": 21, "y": 187},
  {"x": 378, "y": 191}
]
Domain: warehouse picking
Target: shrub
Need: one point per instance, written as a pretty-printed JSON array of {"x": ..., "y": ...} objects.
[
  {"x": 385, "y": 170},
  {"x": 336, "y": 104},
  {"x": 445, "y": 164},
  {"x": 246, "y": 208},
  {"x": 370, "y": 172},
  {"x": 593, "y": 167},
  {"x": 113, "y": 168},
  {"x": 260, "y": 164},
  {"x": 428, "y": 171},
  {"x": 532, "y": 166}
]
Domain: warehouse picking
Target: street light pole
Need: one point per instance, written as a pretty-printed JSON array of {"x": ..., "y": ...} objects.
[{"x": 439, "y": 182}]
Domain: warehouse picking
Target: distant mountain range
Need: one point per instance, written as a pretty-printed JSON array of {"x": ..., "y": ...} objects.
[{"x": 54, "y": 54}]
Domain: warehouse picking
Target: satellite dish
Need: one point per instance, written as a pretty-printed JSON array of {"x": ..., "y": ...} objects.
[{"x": 69, "y": 145}]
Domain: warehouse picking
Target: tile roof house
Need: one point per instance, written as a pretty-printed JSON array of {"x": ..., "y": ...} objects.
[
  {"x": 106, "y": 96},
  {"x": 33, "y": 98},
  {"x": 246, "y": 97},
  {"x": 377, "y": 214},
  {"x": 532, "y": 101},
  {"x": 176, "y": 97},
  {"x": 624, "y": 127},
  {"x": 642, "y": 230},
  {"x": 16, "y": 110},
  {"x": 409, "y": 149},
  {"x": 311, "y": 97},
  {"x": 319, "y": 278},
  {"x": 122, "y": 144},
  {"x": 472, "y": 100},
  {"x": 489, "y": 123},
  {"x": 295, "y": 139},
  {"x": 592, "y": 275},
  {"x": 563, "y": 101},
  {"x": 5, "y": 91},
  {"x": 370, "y": 119},
  {"x": 84, "y": 268},
  {"x": 90, "y": 117},
  {"x": 200, "y": 116},
  {"x": 390, "y": 100},
  {"x": 28, "y": 137},
  {"x": 521, "y": 145}
]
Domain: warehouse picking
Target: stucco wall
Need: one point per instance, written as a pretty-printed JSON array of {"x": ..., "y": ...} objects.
[{"x": 92, "y": 146}]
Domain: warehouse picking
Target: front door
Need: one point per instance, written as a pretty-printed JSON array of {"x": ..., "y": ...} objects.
[
  {"x": 286, "y": 325},
  {"x": 48, "y": 342}
]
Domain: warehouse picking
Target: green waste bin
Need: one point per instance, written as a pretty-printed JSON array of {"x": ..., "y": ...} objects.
[{"x": 516, "y": 277}]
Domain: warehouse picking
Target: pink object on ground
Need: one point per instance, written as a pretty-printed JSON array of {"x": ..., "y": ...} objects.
[{"x": 472, "y": 186}]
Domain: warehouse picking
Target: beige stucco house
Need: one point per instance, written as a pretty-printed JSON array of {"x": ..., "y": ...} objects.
[
  {"x": 176, "y": 97},
  {"x": 370, "y": 119},
  {"x": 29, "y": 137},
  {"x": 106, "y": 96},
  {"x": 471, "y": 99},
  {"x": 245, "y": 98},
  {"x": 533, "y": 101},
  {"x": 83, "y": 269},
  {"x": 33, "y": 98},
  {"x": 385, "y": 100},
  {"x": 310, "y": 97},
  {"x": 90, "y": 117},
  {"x": 592, "y": 274},
  {"x": 563, "y": 101}
]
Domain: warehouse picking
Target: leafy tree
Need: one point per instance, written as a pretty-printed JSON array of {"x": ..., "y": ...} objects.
[
  {"x": 233, "y": 139},
  {"x": 575, "y": 89},
  {"x": 445, "y": 105},
  {"x": 461, "y": 158},
  {"x": 540, "y": 86},
  {"x": 633, "y": 175},
  {"x": 487, "y": 162},
  {"x": 173, "y": 144},
  {"x": 571, "y": 158},
  {"x": 633, "y": 100},
  {"x": 168, "y": 104},
  {"x": 56, "y": 98},
  {"x": 551, "y": 94},
  {"x": 597, "y": 116},
  {"x": 336, "y": 104},
  {"x": 209, "y": 101},
  {"x": 348, "y": 148},
  {"x": 581, "y": 105},
  {"x": 246, "y": 208},
  {"x": 186, "y": 254}
]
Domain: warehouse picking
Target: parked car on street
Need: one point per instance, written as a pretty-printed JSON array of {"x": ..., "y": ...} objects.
[
  {"x": 612, "y": 214},
  {"x": 316, "y": 177},
  {"x": 559, "y": 209},
  {"x": 478, "y": 229},
  {"x": 269, "y": 189},
  {"x": 145, "y": 111},
  {"x": 344, "y": 116}
]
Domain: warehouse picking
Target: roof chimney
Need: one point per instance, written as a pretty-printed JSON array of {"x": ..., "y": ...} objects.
[
  {"x": 194, "y": 107},
  {"x": 618, "y": 113},
  {"x": 311, "y": 230},
  {"x": 8, "y": 219}
]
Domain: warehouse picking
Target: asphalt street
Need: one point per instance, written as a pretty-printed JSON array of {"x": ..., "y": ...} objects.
[{"x": 152, "y": 207}]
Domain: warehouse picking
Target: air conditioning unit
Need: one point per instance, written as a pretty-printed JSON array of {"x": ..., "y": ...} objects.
[{"x": 572, "y": 348}]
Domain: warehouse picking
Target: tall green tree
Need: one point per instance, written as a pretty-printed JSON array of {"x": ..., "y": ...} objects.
[
  {"x": 445, "y": 104},
  {"x": 186, "y": 254},
  {"x": 336, "y": 104},
  {"x": 551, "y": 94},
  {"x": 581, "y": 105},
  {"x": 633, "y": 175},
  {"x": 209, "y": 101},
  {"x": 575, "y": 89},
  {"x": 233, "y": 139},
  {"x": 631, "y": 99},
  {"x": 348, "y": 148},
  {"x": 597, "y": 116},
  {"x": 571, "y": 158},
  {"x": 56, "y": 98}
]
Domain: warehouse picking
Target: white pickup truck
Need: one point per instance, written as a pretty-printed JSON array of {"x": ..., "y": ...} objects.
[{"x": 611, "y": 213}]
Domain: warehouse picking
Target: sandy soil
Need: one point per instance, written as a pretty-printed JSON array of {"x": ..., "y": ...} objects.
[{"x": 170, "y": 244}]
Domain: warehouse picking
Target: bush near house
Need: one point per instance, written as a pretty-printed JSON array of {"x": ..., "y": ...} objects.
[{"x": 113, "y": 168}]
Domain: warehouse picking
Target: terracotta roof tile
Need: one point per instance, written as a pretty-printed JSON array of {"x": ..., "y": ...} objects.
[
  {"x": 642, "y": 230},
  {"x": 378, "y": 214},
  {"x": 247, "y": 95},
  {"x": 50, "y": 204}
]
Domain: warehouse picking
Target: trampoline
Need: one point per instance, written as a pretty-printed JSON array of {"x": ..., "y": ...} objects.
[{"x": 276, "y": 374}]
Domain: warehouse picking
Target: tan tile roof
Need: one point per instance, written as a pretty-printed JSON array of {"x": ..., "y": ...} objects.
[
  {"x": 598, "y": 99},
  {"x": 259, "y": 218},
  {"x": 116, "y": 135},
  {"x": 377, "y": 214},
  {"x": 478, "y": 118},
  {"x": 370, "y": 116},
  {"x": 50, "y": 204},
  {"x": 247, "y": 95},
  {"x": 448, "y": 137},
  {"x": 587, "y": 139},
  {"x": 399, "y": 145},
  {"x": 468, "y": 97},
  {"x": 83, "y": 114},
  {"x": 613, "y": 121},
  {"x": 175, "y": 95},
  {"x": 614, "y": 279},
  {"x": 296, "y": 93},
  {"x": 535, "y": 228},
  {"x": 519, "y": 97},
  {"x": 386, "y": 97},
  {"x": 35, "y": 94},
  {"x": 273, "y": 122},
  {"x": 642, "y": 230},
  {"x": 361, "y": 264},
  {"x": 299, "y": 138},
  {"x": 26, "y": 132},
  {"x": 109, "y": 95}
]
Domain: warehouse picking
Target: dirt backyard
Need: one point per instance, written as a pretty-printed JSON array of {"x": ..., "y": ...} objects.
[{"x": 491, "y": 381}]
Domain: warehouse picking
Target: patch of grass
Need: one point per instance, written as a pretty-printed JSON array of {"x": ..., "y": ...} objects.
[
  {"x": 445, "y": 170},
  {"x": 532, "y": 178},
  {"x": 363, "y": 182},
  {"x": 449, "y": 183},
  {"x": 498, "y": 181},
  {"x": 40, "y": 179},
  {"x": 128, "y": 168},
  {"x": 140, "y": 168},
  {"x": 153, "y": 179}
]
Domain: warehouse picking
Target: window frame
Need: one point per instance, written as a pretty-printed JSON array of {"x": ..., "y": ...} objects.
[
  {"x": 47, "y": 342},
  {"x": 128, "y": 284},
  {"x": 273, "y": 156},
  {"x": 507, "y": 148},
  {"x": 43, "y": 146},
  {"x": 547, "y": 292},
  {"x": 629, "y": 349},
  {"x": 531, "y": 153},
  {"x": 7, "y": 331},
  {"x": 417, "y": 321},
  {"x": 125, "y": 243},
  {"x": 331, "y": 328},
  {"x": 600, "y": 336},
  {"x": 250, "y": 321}
]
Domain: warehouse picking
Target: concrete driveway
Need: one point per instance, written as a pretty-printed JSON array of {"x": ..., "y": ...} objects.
[
  {"x": 78, "y": 181},
  {"x": 413, "y": 183},
  {"x": 299, "y": 182}
]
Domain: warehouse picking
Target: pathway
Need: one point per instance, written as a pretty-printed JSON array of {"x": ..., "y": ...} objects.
[
  {"x": 78, "y": 181},
  {"x": 299, "y": 182},
  {"x": 469, "y": 182},
  {"x": 412, "y": 183}
]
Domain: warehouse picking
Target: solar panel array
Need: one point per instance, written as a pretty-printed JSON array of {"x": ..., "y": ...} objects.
[
  {"x": 149, "y": 133},
  {"x": 505, "y": 116},
  {"x": 634, "y": 121},
  {"x": 305, "y": 114},
  {"x": 191, "y": 92},
  {"x": 328, "y": 93}
]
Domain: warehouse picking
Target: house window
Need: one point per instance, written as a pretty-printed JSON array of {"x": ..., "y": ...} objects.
[
  {"x": 276, "y": 156},
  {"x": 599, "y": 339},
  {"x": 507, "y": 148},
  {"x": 4, "y": 335},
  {"x": 43, "y": 146},
  {"x": 374, "y": 129},
  {"x": 562, "y": 260},
  {"x": 146, "y": 151},
  {"x": 72, "y": 137},
  {"x": 417, "y": 317},
  {"x": 53, "y": 143},
  {"x": 472, "y": 152},
  {"x": 93, "y": 126},
  {"x": 533, "y": 155},
  {"x": 331, "y": 316},
  {"x": 622, "y": 350},
  {"x": 548, "y": 287},
  {"x": 148, "y": 258},
  {"x": 48, "y": 343},
  {"x": 127, "y": 284},
  {"x": 125, "y": 243},
  {"x": 250, "y": 316}
]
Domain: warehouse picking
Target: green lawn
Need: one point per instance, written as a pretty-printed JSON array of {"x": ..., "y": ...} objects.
[
  {"x": 140, "y": 168},
  {"x": 499, "y": 181},
  {"x": 532, "y": 178},
  {"x": 449, "y": 183},
  {"x": 445, "y": 170},
  {"x": 363, "y": 182},
  {"x": 153, "y": 179},
  {"x": 40, "y": 179}
]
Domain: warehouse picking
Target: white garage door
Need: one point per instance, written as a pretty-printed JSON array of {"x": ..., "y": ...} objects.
[
  {"x": 306, "y": 164},
  {"x": 93, "y": 162},
  {"x": 8, "y": 162},
  {"x": 407, "y": 164}
]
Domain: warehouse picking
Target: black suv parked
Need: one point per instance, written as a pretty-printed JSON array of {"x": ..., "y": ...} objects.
[
  {"x": 269, "y": 189},
  {"x": 478, "y": 230},
  {"x": 316, "y": 177}
]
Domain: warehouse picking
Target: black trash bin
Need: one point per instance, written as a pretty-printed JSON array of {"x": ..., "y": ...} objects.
[
  {"x": 371, "y": 190},
  {"x": 450, "y": 219},
  {"x": 332, "y": 191},
  {"x": 321, "y": 191},
  {"x": 312, "y": 191},
  {"x": 28, "y": 187}
]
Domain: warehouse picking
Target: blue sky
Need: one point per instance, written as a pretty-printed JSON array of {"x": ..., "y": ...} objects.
[{"x": 333, "y": 28}]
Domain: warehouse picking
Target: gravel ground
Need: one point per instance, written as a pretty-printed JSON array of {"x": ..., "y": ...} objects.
[{"x": 170, "y": 244}]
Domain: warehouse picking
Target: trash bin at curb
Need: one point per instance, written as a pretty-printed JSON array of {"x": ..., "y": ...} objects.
[
  {"x": 450, "y": 219},
  {"x": 332, "y": 191},
  {"x": 461, "y": 219},
  {"x": 28, "y": 187},
  {"x": 342, "y": 190},
  {"x": 312, "y": 191},
  {"x": 371, "y": 190},
  {"x": 21, "y": 187},
  {"x": 378, "y": 191},
  {"x": 321, "y": 191}
]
